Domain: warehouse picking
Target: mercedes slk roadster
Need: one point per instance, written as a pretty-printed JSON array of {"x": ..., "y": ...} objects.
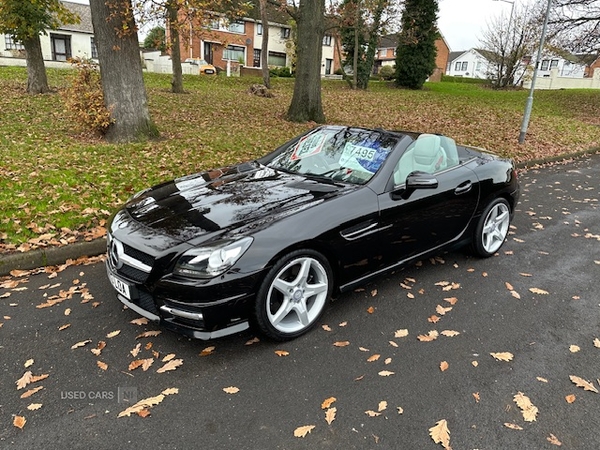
[{"x": 267, "y": 243}]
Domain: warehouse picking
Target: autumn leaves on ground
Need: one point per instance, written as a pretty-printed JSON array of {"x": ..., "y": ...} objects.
[{"x": 59, "y": 185}]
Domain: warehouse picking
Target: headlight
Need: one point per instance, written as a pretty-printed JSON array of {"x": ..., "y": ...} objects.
[{"x": 212, "y": 260}]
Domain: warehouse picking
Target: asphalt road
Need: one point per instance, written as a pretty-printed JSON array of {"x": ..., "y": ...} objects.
[{"x": 554, "y": 249}]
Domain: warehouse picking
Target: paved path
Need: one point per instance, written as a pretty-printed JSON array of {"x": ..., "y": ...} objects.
[{"x": 554, "y": 248}]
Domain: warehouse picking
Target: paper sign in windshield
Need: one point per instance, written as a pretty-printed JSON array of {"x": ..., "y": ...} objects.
[
  {"x": 308, "y": 146},
  {"x": 361, "y": 158}
]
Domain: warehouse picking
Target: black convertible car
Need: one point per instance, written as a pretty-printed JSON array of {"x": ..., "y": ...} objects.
[{"x": 267, "y": 242}]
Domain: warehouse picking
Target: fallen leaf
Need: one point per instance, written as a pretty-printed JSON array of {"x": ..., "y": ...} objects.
[
  {"x": 373, "y": 292},
  {"x": 24, "y": 380},
  {"x": 385, "y": 373},
  {"x": 574, "y": 348},
  {"x": 441, "y": 310},
  {"x": 528, "y": 409},
  {"x": 139, "y": 321},
  {"x": 254, "y": 340},
  {"x": 393, "y": 344},
  {"x": 444, "y": 366},
  {"x": 597, "y": 343},
  {"x": 503, "y": 356},
  {"x": 580, "y": 382},
  {"x": 80, "y": 344},
  {"x": 476, "y": 396},
  {"x": 441, "y": 434},
  {"x": 301, "y": 432},
  {"x": 168, "y": 357},
  {"x": 525, "y": 274},
  {"x": 142, "y": 404},
  {"x": 387, "y": 361},
  {"x": 370, "y": 310},
  {"x": 19, "y": 422},
  {"x": 330, "y": 415},
  {"x": 136, "y": 350},
  {"x": 328, "y": 402},
  {"x": 231, "y": 390},
  {"x": 34, "y": 406},
  {"x": 515, "y": 294},
  {"x": 431, "y": 336},
  {"x": 102, "y": 365},
  {"x": 67, "y": 311},
  {"x": 570, "y": 398},
  {"x": 364, "y": 349},
  {"x": 400, "y": 409},
  {"x": 512, "y": 426},
  {"x": 538, "y": 291},
  {"x": 554, "y": 440},
  {"x": 433, "y": 319},
  {"x": 208, "y": 351},
  {"x": 382, "y": 406},
  {"x": 144, "y": 413},
  {"x": 449, "y": 333},
  {"x": 451, "y": 300},
  {"x": 373, "y": 358},
  {"x": 372, "y": 413},
  {"x": 30, "y": 392},
  {"x": 28, "y": 363},
  {"x": 509, "y": 286},
  {"x": 171, "y": 365},
  {"x": 112, "y": 334},
  {"x": 474, "y": 363},
  {"x": 170, "y": 391},
  {"x": 326, "y": 327},
  {"x": 343, "y": 324},
  {"x": 147, "y": 334},
  {"x": 543, "y": 380},
  {"x": 341, "y": 343},
  {"x": 64, "y": 327},
  {"x": 281, "y": 353},
  {"x": 401, "y": 333}
]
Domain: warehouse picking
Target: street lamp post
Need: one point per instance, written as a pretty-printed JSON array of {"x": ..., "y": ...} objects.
[
  {"x": 508, "y": 37},
  {"x": 529, "y": 104}
]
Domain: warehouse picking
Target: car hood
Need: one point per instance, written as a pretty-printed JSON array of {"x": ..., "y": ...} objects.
[{"x": 224, "y": 199}]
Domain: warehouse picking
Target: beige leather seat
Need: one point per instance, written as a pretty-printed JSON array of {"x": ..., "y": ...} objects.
[{"x": 426, "y": 155}]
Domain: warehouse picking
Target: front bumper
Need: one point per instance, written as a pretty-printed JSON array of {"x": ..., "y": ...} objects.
[{"x": 204, "y": 309}]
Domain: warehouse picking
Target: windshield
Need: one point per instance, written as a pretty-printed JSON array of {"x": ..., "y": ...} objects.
[{"x": 345, "y": 154}]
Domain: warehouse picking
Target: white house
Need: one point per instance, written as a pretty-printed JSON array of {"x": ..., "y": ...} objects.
[
  {"x": 69, "y": 41},
  {"x": 473, "y": 63}
]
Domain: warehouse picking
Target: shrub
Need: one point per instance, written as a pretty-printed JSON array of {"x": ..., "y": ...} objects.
[
  {"x": 387, "y": 72},
  {"x": 84, "y": 99},
  {"x": 283, "y": 72}
]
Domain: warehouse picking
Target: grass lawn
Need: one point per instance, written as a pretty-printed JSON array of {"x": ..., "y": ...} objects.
[{"x": 59, "y": 185}]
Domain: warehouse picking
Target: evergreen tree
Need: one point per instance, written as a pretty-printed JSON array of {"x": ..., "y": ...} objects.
[{"x": 416, "y": 52}]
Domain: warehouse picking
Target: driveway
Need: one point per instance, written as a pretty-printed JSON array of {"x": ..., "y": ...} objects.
[{"x": 386, "y": 364}]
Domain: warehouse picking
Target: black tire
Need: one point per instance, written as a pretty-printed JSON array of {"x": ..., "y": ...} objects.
[
  {"x": 492, "y": 228},
  {"x": 293, "y": 295}
]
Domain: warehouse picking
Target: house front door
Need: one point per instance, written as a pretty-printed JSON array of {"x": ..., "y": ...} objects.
[{"x": 208, "y": 52}]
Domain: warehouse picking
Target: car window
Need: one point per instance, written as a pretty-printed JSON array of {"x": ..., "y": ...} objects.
[
  {"x": 429, "y": 153},
  {"x": 344, "y": 154}
]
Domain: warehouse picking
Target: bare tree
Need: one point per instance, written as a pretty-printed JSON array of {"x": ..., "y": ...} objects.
[
  {"x": 507, "y": 43},
  {"x": 575, "y": 25}
]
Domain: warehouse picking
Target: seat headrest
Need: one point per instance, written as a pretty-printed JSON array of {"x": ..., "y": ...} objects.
[{"x": 426, "y": 149}]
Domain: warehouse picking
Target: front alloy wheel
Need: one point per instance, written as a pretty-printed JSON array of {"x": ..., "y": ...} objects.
[
  {"x": 293, "y": 295},
  {"x": 492, "y": 228}
]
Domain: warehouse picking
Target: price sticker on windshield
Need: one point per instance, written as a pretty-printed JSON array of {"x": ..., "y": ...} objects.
[{"x": 308, "y": 146}]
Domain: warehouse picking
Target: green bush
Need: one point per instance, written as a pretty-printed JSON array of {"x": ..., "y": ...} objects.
[
  {"x": 387, "y": 72},
  {"x": 283, "y": 72},
  {"x": 464, "y": 80}
]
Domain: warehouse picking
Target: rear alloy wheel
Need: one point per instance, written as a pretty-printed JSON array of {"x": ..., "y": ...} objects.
[
  {"x": 293, "y": 295},
  {"x": 492, "y": 228}
]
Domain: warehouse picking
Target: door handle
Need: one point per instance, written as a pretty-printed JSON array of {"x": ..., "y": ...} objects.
[{"x": 463, "y": 188}]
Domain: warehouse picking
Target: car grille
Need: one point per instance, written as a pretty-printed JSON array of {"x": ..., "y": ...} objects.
[
  {"x": 146, "y": 302},
  {"x": 129, "y": 262}
]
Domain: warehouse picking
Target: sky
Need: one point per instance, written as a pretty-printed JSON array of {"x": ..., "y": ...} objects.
[{"x": 462, "y": 22}]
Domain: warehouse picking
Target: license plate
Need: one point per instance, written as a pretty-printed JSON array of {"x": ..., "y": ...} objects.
[{"x": 120, "y": 286}]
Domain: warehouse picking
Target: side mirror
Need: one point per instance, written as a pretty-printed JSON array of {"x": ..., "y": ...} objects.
[{"x": 421, "y": 180}]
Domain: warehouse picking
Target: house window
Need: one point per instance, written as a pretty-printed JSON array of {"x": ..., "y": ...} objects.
[
  {"x": 327, "y": 40},
  {"x": 236, "y": 27},
  {"x": 285, "y": 33},
  {"x": 382, "y": 52},
  {"x": 61, "y": 46},
  {"x": 234, "y": 53},
  {"x": 259, "y": 29},
  {"x": 328, "y": 66},
  {"x": 545, "y": 64},
  {"x": 94, "y": 47},
  {"x": 553, "y": 64},
  {"x": 214, "y": 24},
  {"x": 11, "y": 44},
  {"x": 478, "y": 66},
  {"x": 461, "y": 66},
  {"x": 277, "y": 59}
]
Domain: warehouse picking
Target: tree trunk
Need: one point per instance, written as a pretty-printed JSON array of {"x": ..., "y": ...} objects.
[
  {"x": 177, "y": 80},
  {"x": 37, "y": 82},
  {"x": 264, "y": 49},
  {"x": 306, "y": 102},
  {"x": 121, "y": 71}
]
